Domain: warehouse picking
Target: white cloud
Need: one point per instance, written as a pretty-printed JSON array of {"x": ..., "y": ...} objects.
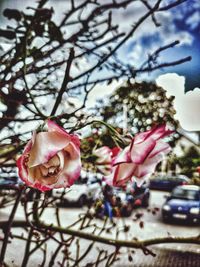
[
  {"x": 187, "y": 105},
  {"x": 100, "y": 92}
]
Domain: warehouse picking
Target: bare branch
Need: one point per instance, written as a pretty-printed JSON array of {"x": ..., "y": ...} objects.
[{"x": 66, "y": 80}]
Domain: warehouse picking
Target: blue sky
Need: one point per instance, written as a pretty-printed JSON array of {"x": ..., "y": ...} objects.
[
  {"x": 181, "y": 23},
  {"x": 182, "y": 81}
]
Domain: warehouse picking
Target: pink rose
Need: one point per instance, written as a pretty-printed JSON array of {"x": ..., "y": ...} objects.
[
  {"x": 50, "y": 159},
  {"x": 104, "y": 161},
  {"x": 139, "y": 159},
  {"x": 115, "y": 151}
]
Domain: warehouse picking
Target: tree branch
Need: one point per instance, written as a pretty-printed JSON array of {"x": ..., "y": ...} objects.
[
  {"x": 66, "y": 80},
  {"x": 8, "y": 225},
  {"x": 138, "y": 244}
]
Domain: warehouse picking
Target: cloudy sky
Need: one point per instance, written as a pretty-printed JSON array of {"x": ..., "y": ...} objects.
[
  {"x": 181, "y": 23},
  {"x": 182, "y": 81}
]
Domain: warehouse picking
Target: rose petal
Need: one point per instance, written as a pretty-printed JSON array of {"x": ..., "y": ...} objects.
[
  {"x": 29, "y": 144},
  {"x": 54, "y": 161},
  {"x": 148, "y": 167},
  {"x": 71, "y": 171},
  {"x": 155, "y": 133},
  {"x": 160, "y": 132},
  {"x": 41, "y": 187},
  {"x": 61, "y": 156},
  {"x": 53, "y": 127},
  {"x": 72, "y": 150},
  {"x": 46, "y": 145},
  {"x": 115, "y": 151},
  {"x": 75, "y": 140},
  {"x": 22, "y": 169},
  {"x": 160, "y": 147},
  {"x": 123, "y": 156},
  {"x": 72, "y": 164},
  {"x": 140, "y": 151},
  {"x": 121, "y": 174},
  {"x": 141, "y": 137}
]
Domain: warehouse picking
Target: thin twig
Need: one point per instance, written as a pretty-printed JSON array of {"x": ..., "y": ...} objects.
[
  {"x": 7, "y": 227},
  {"x": 66, "y": 80}
]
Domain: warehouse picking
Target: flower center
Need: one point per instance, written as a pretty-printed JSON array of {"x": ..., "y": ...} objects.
[{"x": 50, "y": 168}]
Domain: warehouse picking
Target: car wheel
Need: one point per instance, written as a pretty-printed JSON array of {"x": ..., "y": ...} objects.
[{"x": 82, "y": 200}]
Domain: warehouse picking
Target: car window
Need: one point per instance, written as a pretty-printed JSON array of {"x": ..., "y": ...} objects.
[
  {"x": 93, "y": 182},
  {"x": 8, "y": 180},
  {"x": 183, "y": 177},
  {"x": 185, "y": 194}
]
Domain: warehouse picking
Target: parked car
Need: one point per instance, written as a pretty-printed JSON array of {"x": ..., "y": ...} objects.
[
  {"x": 80, "y": 193},
  {"x": 168, "y": 182},
  {"x": 183, "y": 204},
  {"x": 140, "y": 194},
  {"x": 8, "y": 180}
]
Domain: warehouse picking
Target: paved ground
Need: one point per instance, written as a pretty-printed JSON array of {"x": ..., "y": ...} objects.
[
  {"x": 167, "y": 255},
  {"x": 164, "y": 258}
]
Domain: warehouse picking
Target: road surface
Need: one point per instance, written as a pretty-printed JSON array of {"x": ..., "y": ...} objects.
[{"x": 167, "y": 254}]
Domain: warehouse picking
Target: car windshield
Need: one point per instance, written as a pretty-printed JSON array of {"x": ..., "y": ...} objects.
[{"x": 185, "y": 194}]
